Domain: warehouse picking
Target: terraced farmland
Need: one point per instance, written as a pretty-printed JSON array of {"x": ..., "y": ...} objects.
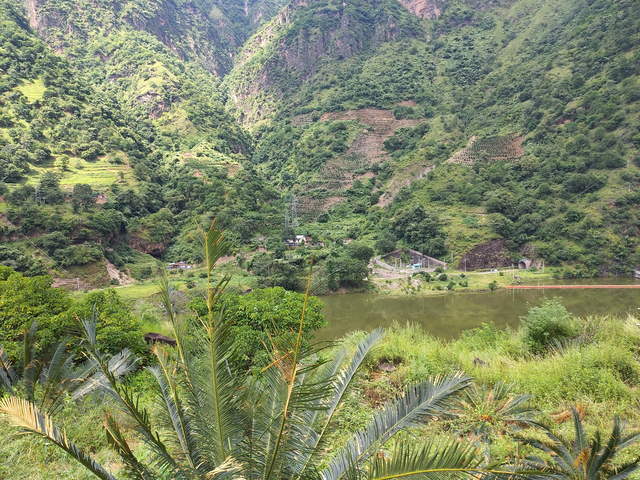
[{"x": 508, "y": 147}]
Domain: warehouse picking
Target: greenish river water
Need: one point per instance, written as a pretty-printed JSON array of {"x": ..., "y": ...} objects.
[{"x": 446, "y": 316}]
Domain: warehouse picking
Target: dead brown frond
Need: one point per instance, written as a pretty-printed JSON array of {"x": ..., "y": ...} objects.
[{"x": 565, "y": 415}]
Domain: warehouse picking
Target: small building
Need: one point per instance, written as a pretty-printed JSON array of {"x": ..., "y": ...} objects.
[
  {"x": 179, "y": 266},
  {"x": 415, "y": 266}
]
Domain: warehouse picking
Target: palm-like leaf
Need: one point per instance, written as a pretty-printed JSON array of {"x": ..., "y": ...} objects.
[
  {"x": 483, "y": 408},
  {"x": 25, "y": 415},
  {"x": 585, "y": 458},
  {"x": 219, "y": 425},
  {"x": 340, "y": 376},
  {"x": 426, "y": 400},
  {"x": 7, "y": 373},
  {"x": 432, "y": 460}
]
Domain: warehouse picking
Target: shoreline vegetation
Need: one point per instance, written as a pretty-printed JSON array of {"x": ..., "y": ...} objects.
[
  {"x": 502, "y": 390},
  {"x": 408, "y": 284},
  {"x": 590, "y": 363}
]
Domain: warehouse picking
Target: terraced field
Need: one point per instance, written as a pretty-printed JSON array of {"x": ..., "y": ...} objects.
[{"x": 508, "y": 147}]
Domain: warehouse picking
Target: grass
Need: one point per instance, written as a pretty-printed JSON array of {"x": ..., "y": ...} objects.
[
  {"x": 476, "y": 281},
  {"x": 34, "y": 90},
  {"x": 598, "y": 372},
  {"x": 100, "y": 174}
]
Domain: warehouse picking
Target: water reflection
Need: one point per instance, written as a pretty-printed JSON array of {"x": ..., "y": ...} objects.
[{"x": 447, "y": 315}]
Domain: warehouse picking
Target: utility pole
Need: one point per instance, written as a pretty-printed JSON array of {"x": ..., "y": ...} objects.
[
  {"x": 465, "y": 265},
  {"x": 78, "y": 280}
]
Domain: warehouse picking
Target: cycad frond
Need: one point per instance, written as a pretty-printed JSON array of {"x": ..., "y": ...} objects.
[
  {"x": 584, "y": 458},
  {"x": 340, "y": 377},
  {"x": 210, "y": 383},
  {"x": 433, "y": 460},
  {"x": 29, "y": 344},
  {"x": 59, "y": 378},
  {"x": 581, "y": 441},
  {"x": 212, "y": 391},
  {"x": 108, "y": 370},
  {"x": 25, "y": 415},
  {"x": 116, "y": 440},
  {"x": 7, "y": 373},
  {"x": 429, "y": 399},
  {"x": 174, "y": 408},
  {"x": 229, "y": 470}
]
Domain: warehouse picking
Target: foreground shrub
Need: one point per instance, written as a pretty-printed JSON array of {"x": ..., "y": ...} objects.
[{"x": 546, "y": 323}]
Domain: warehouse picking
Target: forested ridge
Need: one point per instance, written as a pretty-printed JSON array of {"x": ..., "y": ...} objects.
[{"x": 125, "y": 122}]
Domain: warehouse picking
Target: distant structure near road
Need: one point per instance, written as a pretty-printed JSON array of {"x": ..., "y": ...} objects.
[
  {"x": 179, "y": 266},
  {"x": 416, "y": 261},
  {"x": 291, "y": 213}
]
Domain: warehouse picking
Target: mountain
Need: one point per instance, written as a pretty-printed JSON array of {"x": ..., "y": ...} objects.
[
  {"x": 455, "y": 127},
  {"x": 523, "y": 110}
]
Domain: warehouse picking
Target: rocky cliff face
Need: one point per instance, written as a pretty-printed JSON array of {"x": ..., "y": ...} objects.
[
  {"x": 190, "y": 30},
  {"x": 424, "y": 8},
  {"x": 289, "y": 50},
  {"x": 145, "y": 246}
]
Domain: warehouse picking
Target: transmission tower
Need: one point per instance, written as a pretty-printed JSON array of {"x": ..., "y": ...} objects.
[
  {"x": 294, "y": 212},
  {"x": 291, "y": 213}
]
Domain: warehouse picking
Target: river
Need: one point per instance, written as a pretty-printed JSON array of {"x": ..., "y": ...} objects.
[{"x": 446, "y": 316}]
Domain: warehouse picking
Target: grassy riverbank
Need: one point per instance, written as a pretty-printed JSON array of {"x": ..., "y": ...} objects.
[
  {"x": 594, "y": 367},
  {"x": 418, "y": 284}
]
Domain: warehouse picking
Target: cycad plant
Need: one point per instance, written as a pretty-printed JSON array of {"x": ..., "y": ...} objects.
[
  {"x": 584, "y": 458},
  {"x": 215, "y": 423},
  {"x": 47, "y": 381},
  {"x": 483, "y": 410}
]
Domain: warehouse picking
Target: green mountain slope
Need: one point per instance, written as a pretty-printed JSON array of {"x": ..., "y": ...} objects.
[
  {"x": 153, "y": 147},
  {"x": 455, "y": 128},
  {"x": 525, "y": 122}
]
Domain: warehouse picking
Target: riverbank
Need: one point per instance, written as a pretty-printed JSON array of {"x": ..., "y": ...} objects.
[
  {"x": 415, "y": 283},
  {"x": 595, "y": 369}
]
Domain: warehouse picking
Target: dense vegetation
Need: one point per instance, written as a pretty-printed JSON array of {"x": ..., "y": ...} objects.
[
  {"x": 548, "y": 91},
  {"x": 117, "y": 142},
  {"x": 240, "y": 421}
]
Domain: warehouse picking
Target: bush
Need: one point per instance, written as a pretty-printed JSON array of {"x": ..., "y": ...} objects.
[
  {"x": 118, "y": 328},
  {"x": 439, "y": 269},
  {"x": 257, "y": 315},
  {"x": 493, "y": 285},
  {"x": 545, "y": 323},
  {"x": 425, "y": 276},
  {"x": 443, "y": 277}
]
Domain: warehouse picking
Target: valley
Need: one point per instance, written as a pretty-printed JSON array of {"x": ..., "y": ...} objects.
[{"x": 315, "y": 239}]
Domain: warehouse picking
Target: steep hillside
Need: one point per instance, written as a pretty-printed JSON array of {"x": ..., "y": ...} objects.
[
  {"x": 209, "y": 32},
  {"x": 525, "y": 121},
  {"x": 440, "y": 125},
  {"x": 92, "y": 170}
]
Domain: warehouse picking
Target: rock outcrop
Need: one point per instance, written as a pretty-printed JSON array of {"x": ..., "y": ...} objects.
[
  {"x": 490, "y": 254},
  {"x": 145, "y": 246},
  {"x": 424, "y": 8}
]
